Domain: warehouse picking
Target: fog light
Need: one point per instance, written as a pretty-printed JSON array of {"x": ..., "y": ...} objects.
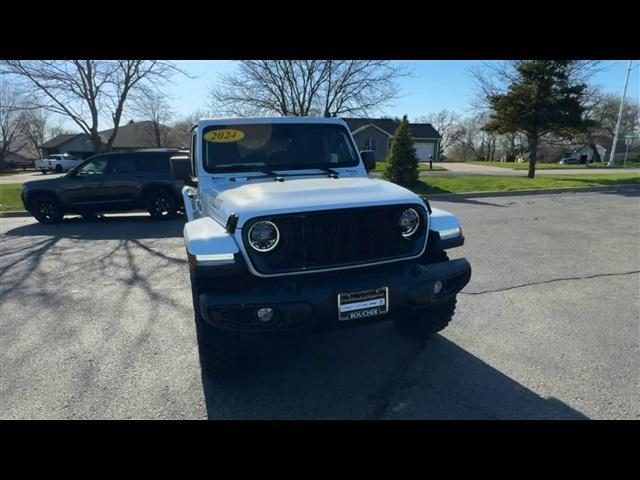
[
  {"x": 265, "y": 314},
  {"x": 437, "y": 287}
]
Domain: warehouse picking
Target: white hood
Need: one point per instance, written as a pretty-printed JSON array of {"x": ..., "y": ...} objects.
[{"x": 268, "y": 197}]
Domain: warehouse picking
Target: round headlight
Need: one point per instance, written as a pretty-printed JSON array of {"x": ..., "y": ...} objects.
[
  {"x": 409, "y": 222},
  {"x": 263, "y": 236}
]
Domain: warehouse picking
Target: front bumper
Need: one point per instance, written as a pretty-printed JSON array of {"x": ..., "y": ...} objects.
[{"x": 310, "y": 301}]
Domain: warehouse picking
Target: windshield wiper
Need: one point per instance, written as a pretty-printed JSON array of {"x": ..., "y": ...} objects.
[
  {"x": 279, "y": 177},
  {"x": 331, "y": 172}
]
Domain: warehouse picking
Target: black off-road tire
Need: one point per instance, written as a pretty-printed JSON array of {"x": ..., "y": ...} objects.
[
  {"x": 427, "y": 321},
  {"x": 58, "y": 168},
  {"x": 46, "y": 209},
  {"x": 162, "y": 204},
  {"x": 219, "y": 350}
]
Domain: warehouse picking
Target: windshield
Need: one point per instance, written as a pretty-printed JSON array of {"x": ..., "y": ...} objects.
[{"x": 259, "y": 147}]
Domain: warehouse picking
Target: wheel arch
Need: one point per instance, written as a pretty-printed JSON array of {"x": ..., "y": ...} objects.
[{"x": 31, "y": 194}]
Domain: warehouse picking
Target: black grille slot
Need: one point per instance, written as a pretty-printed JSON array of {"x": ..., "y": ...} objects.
[{"x": 336, "y": 238}]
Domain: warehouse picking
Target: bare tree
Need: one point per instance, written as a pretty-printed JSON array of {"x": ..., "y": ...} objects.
[
  {"x": 182, "y": 127},
  {"x": 447, "y": 123},
  {"x": 87, "y": 90},
  {"x": 306, "y": 87},
  {"x": 35, "y": 128},
  {"x": 153, "y": 106},
  {"x": 12, "y": 101}
]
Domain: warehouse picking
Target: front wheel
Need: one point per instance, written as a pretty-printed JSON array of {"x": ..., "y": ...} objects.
[
  {"x": 219, "y": 350},
  {"x": 427, "y": 321},
  {"x": 46, "y": 209},
  {"x": 162, "y": 205},
  {"x": 58, "y": 168}
]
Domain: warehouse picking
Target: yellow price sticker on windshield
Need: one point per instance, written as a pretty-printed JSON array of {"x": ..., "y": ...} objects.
[{"x": 224, "y": 135}]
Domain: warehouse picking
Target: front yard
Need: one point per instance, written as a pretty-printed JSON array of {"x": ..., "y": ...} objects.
[
  {"x": 10, "y": 197},
  {"x": 488, "y": 183},
  {"x": 631, "y": 163},
  {"x": 422, "y": 166}
]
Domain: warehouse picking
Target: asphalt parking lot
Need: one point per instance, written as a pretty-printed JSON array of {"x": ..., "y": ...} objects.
[{"x": 97, "y": 323}]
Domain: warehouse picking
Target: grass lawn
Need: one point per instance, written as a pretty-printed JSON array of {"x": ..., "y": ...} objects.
[
  {"x": 551, "y": 166},
  {"x": 422, "y": 166},
  {"x": 10, "y": 197},
  {"x": 487, "y": 183}
]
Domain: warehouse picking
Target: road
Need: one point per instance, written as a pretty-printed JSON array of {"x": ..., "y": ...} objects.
[{"x": 96, "y": 323}]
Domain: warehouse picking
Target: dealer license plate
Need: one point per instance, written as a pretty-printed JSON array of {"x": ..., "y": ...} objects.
[{"x": 366, "y": 303}]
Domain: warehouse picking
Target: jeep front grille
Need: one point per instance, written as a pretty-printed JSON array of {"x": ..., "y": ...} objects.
[{"x": 327, "y": 239}]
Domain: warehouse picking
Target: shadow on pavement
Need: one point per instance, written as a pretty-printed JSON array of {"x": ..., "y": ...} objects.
[
  {"x": 371, "y": 373},
  {"x": 106, "y": 228}
]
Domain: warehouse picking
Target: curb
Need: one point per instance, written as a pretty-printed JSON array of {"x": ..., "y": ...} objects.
[
  {"x": 539, "y": 191},
  {"x": 20, "y": 213}
]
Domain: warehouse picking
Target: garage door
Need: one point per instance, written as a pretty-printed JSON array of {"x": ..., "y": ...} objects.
[{"x": 424, "y": 150}]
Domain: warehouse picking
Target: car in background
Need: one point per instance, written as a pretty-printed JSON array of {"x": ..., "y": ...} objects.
[
  {"x": 111, "y": 182},
  {"x": 57, "y": 163}
]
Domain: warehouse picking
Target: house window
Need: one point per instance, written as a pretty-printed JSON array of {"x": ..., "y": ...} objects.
[
  {"x": 373, "y": 144},
  {"x": 367, "y": 144}
]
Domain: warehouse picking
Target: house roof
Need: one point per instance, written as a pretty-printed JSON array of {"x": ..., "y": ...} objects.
[
  {"x": 389, "y": 126},
  {"x": 59, "y": 140},
  {"x": 131, "y": 135}
]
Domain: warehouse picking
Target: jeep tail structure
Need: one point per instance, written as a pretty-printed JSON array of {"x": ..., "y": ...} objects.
[{"x": 285, "y": 230}]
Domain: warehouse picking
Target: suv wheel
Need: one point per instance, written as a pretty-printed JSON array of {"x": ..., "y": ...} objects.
[
  {"x": 46, "y": 209},
  {"x": 58, "y": 168},
  {"x": 162, "y": 205}
]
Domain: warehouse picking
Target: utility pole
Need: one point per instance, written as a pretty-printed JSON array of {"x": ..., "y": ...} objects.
[{"x": 615, "y": 135}]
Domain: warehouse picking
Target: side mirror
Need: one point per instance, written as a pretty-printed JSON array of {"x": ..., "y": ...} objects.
[
  {"x": 369, "y": 159},
  {"x": 73, "y": 173}
]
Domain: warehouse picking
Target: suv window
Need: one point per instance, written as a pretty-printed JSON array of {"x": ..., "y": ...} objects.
[
  {"x": 96, "y": 165},
  {"x": 152, "y": 163},
  {"x": 122, "y": 164}
]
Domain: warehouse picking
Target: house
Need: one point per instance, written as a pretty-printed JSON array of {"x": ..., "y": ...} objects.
[
  {"x": 12, "y": 159},
  {"x": 17, "y": 156},
  {"x": 131, "y": 136},
  {"x": 377, "y": 133},
  {"x": 587, "y": 153}
]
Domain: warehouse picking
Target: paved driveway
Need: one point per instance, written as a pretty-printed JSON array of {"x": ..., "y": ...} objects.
[{"x": 96, "y": 322}]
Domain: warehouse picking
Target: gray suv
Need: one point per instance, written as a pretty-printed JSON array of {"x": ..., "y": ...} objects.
[{"x": 111, "y": 182}]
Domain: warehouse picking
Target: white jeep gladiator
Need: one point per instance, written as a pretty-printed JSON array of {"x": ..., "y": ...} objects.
[{"x": 285, "y": 230}]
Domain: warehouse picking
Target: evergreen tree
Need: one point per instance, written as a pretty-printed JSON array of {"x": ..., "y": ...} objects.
[
  {"x": 402, "y": 161},
  {"x": 541, "y": 99}
]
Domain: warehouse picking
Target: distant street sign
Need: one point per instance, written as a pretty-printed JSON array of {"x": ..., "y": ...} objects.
[{"x": 631, "y": 135}]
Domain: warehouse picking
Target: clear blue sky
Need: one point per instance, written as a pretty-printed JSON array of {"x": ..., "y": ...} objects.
[{"x": 434, "y": 85}]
